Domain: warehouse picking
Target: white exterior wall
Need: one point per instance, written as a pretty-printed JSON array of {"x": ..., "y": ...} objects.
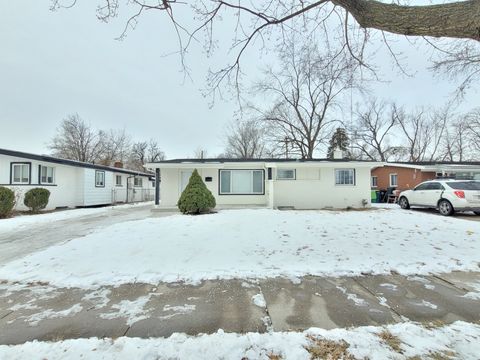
[
  {"x": 73, "y": 186},
  {"x": 66, "y": 191},
  {"x": 94, "y": 195},
  {"x": 314, "y": 187},
  {"x": 171, "y": 183}
]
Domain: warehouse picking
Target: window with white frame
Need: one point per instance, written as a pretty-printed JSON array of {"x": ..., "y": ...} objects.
[
  {"x": 20, "y": 173},
  {"x": 47, "y": 174},
  {"x": 138, "y": 181},
  {"x": 374, "y": 183},
  {"x": 118, "y": 180},
  {"x": 286, "y": 174},
  {"x": 99, "y": 178},
  {"x": 393, "y": 180},
  {"x": 344, "y": 176},
  {"x": 241, "y": 182}
]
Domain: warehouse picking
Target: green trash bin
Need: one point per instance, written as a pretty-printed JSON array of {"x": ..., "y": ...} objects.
[{"x": 374, "y": 196}]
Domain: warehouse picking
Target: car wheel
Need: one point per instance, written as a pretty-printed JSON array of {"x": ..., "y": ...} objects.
[
  {"x": 445, "y": 208},
  {"x": 477, "y": 213},
  {"x": 403, "y": 202}
]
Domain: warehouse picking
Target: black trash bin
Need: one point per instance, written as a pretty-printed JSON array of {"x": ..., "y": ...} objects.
[{"x": 383, "y": 196}]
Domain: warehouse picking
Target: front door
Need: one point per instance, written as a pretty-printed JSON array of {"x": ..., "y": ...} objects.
[{"x": 184, "y": 177}]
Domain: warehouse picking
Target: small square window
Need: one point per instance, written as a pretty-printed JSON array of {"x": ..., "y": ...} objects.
[
  {"x": 20, "y": 173},
  {"x": 138, "y": 182},
  {"x": 46, "y": 174},
  {"x": 344, "y": 176},
  {"x": 374, "y": 181},
  {"x": 100, "y": 178}
]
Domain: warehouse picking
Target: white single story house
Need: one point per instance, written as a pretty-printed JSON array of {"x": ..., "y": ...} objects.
[
  {"x": 72, "y": 183},
  {"x": 272, "y": 183}
]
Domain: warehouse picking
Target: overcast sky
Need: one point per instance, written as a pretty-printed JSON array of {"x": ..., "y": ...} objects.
[{"x": 56, "y": 63}]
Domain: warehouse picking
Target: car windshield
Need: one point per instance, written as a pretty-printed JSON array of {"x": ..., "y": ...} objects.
[{"x": 464, "y": 185}]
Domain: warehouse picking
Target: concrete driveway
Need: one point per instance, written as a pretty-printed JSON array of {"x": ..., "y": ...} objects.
[{"x": 25, "y": 240}]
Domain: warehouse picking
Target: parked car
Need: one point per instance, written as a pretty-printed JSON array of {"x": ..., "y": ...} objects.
[{"x": 448, "y": 196}]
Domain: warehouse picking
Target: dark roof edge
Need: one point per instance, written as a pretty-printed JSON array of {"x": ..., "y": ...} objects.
[
  {"x": 226, "y": 160},
  {"x": 61, "y": 161},
  {"x": 426, "y": 163}
]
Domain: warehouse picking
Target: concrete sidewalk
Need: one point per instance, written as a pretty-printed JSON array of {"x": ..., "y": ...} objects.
[{"x": 140, "y": 310}]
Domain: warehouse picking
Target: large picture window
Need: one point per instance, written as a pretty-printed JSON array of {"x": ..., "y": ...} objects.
[
  {"x": 46, "y": 174},
  {"x": 345, "y": 177},
  {"x": 100, "y": 178},
  {"x": 241, "y": 182},
  {"x": 20, "y": 173}
]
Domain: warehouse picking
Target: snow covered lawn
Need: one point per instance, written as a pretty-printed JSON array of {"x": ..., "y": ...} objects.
[
  {"x": 256, "y": 244},
  {"x": 21, "y": 221},
  {"x": 459, "y": 340}
]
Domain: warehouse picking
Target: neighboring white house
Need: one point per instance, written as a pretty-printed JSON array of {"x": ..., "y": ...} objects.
[
  {"x": 273, "y": 183},
  {"x": 72, "y": 183}
]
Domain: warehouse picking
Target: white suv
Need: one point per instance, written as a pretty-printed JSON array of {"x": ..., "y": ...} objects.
[{"x": 447, "y": 196}]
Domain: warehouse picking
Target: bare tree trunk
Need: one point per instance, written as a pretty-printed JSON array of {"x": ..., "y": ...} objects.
[{"x": 459, "y": 19}]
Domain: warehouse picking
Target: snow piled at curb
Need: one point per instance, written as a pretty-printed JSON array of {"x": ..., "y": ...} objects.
[{"x": 459, "y": 340}]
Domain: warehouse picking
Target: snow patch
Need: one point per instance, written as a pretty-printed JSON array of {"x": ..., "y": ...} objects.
[
  {"x": 132, "y": 311},
  {"x": 389, "y": 286},
  {"x": 259, "y": 300},
  {"x": 383, "y": 301},
  {"x": 98, "y": 297},
  {"x": 34, "y": 319},
  {"x": 353, "y": 297},
  {"x": 429, "y": 304}
]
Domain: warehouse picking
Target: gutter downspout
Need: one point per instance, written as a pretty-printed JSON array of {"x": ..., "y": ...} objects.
[{"x": 157, "y": 187}]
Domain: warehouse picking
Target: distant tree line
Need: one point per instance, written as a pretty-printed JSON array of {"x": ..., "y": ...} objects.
[
  {"x": 76, "y": 139},
  {"x": 379, "y": 131},
  {"x": 308, "y": 90}
]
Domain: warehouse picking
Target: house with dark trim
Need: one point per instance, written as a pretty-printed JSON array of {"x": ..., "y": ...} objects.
[
  {"x": 270, "y": 183},
  {"x": 72, "y": 183}
]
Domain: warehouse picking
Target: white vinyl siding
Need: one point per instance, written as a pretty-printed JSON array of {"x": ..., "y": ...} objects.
[
  {"x": 100, "y": 178},
  {"x": 47, "y": 174},
  {"x": 344, "y": 176},
  {"x": 393, "y": 180},
  {"x": 20, "y": 173},
  {"x": 241, "y": 182},
  {"x": 286, "y": 174}
]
